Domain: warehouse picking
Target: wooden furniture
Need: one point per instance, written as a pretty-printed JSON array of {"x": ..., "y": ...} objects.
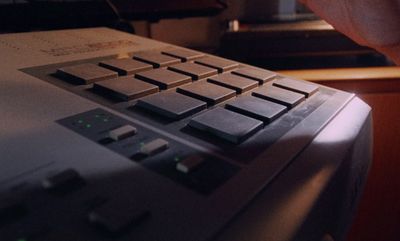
[{"x": 378, "y": 215}]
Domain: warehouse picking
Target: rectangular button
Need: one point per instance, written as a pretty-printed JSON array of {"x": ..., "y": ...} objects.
[
  {"x": 183, "y": 54},
  {"x": 196, "y": 71},
  {"x": 221, "y": 64},
  {"x": 189, "y": 164},
  {"x": 63, "y": 182},
  {"x": 210, "y": 93},
  {"x": 156, "y": 59},
  {"x": 85, "y": 73},
  {"x": 154, "y": 147},
  {"x": 125, "y": 66},
  {"x": 124, "y": 88},
  {"x": 261, "y": 76},
  {"x": 235, "y": 82},
  {"x": 122, "y": 132},
  {"x": 115, "y": 216},
  {"x": 226, "y": 124},
  {"x": 172, "y": 105},
  {"x": 301, "y": 87},
  {"x": 164, "y": 78},
  {"x": 281, "y": 96},
  {"x": 257, "y": 108}
]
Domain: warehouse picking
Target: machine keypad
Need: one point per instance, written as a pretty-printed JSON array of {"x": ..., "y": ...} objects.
[
  {"x": 172, "y": 105},
  {"x": 228, "y": 125},
  {"x": 301, "y": 87},
  {"x": 183, "y": 54},
  {"x": 125, "y": 66},
  {"x": 196, "y": 71},
  {"x": 84, "y": 74},
  {"x": 125, "y": 88},
  {"x": 278, "y": 95},
  {"x": 210, "y": 93},
  {"x": 261, "y": 76},
  {"x": 221, "y": 64},
  {"x": 157, "y": 59},
  {"x": 235, "y": 82},
  {"x": 164, "y": 78},
  {"x": 257, "y": 108}
]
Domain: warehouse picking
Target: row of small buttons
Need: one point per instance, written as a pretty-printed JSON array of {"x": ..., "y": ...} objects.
[
  {"x": 153, "y": 147},
  {"x": 249, "y": 113},
  {"x": 146, "y": 80},
  {"x": 246, "y": 115},
  {"x": 197, "y": 96}
]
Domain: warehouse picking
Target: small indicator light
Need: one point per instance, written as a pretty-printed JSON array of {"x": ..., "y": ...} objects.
[
  {"x": 80, "y": 121},
  {"x": 177, "y": 159},
  {"x": 97, "y": 116},
  {"x": 105, "y": 120},
  {"x": 88, "y": 125}
]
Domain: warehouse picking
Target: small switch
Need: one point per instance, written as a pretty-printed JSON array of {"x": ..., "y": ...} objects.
[
  {"x": 189, "y": 164},
  {"x": 63, "y": 182},
  {"x": 122, "y": 132},
  {"x": 154, "y": 147}
]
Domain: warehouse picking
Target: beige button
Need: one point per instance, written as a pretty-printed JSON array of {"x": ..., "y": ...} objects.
[
  {"x": 154, "y": 147},
  {"x": 122, "y": 132}
]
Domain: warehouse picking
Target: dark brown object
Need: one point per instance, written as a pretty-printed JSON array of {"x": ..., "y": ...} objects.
[
  {"x": 172, "y": 105},
  {"x": 156, "y": 59},
  {"x": 257, "y": 108},
  {"x": 196, "y": 71},
  {"x": 235, "y": 82},
  {"x": 221, "y": 64},
  {"x": 281, "y": 96},
  {"x": 164, "y": 78},
  {"x": 183, "y": 54},
  {"x": 228, "y": 125},
  {"x": 125, "y": 88},
  {"x": 301, "y": 87},
  {"x": 210, "y": 93},
  {"x": 125, "y": 66},
  {"x": 261, "y": 76},
  {"x": 85, "y": 73}
]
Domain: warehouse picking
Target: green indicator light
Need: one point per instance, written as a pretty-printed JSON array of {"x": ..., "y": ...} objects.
[
  {"x": 88, "y": 125},
  {"x": 80, "y": 121},
  {"x": 105, "y": 120},
  {"x": 177, "y": 159}
]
